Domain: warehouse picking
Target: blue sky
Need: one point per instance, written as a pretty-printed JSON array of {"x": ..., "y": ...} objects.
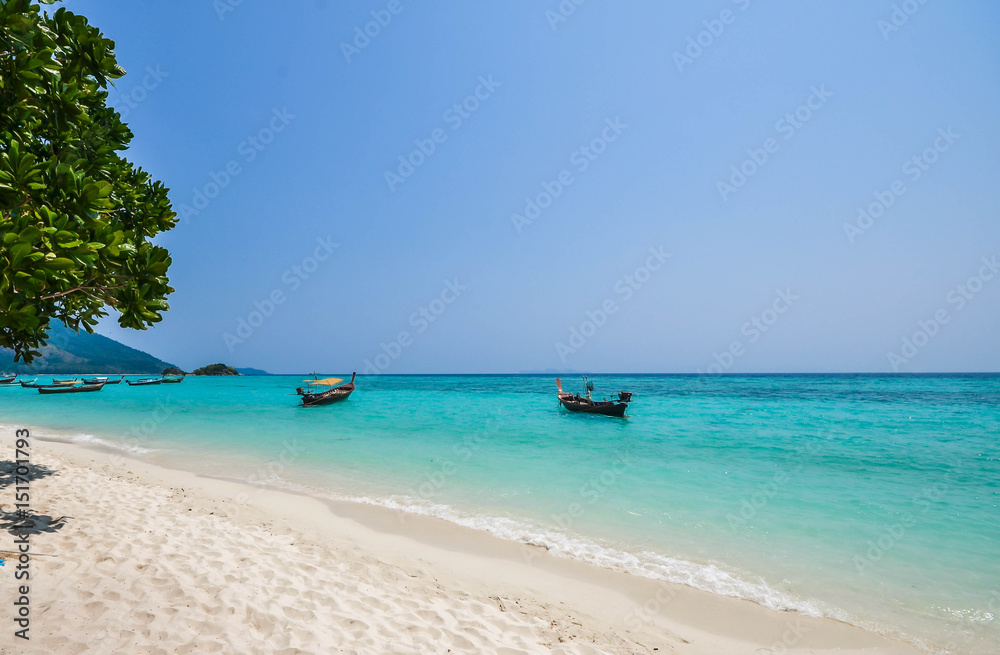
[{"x": 573, "y": 196}]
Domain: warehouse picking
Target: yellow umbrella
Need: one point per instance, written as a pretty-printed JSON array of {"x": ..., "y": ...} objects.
[{"x": 329, "y": 382}]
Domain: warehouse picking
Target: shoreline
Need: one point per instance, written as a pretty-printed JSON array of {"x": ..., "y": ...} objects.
[{"x": 588, "y": 607}]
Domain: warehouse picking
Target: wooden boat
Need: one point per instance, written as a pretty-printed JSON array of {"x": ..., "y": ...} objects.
[
  {"x": 8, "y": 379},
  {"x": 80, "y": 388},
  {"x": 311, "y": 397},
  {"x": 586, "y": 405},
  {"x": 173, "y": 379},
  {"x": 29, "y": 384},
  {"x": 102, "y": 380},
  {"x": 143, "y": 382},
  {"x": 56, "y": 384},
  {"x": 66, "y": 381}
]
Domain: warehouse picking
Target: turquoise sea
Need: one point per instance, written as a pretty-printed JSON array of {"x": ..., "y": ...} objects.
[{"x": 872, "y": 499}]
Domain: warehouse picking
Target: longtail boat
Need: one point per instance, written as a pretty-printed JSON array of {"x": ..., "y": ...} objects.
[
  {"x": 66, "y": 381},
  {"x": 143, "y": 382},
  {"x": 172, "y": 379},
  {"x": 312, "y": 396},
  {"x": 8, "y": 379},
  {"x": 586, "y": 405},
  {"x": 56, "y": 384},
  {"x": 80, "y": 388},
  {"x": 102, "y": 380},
  {"x": 29, "y": 384}
]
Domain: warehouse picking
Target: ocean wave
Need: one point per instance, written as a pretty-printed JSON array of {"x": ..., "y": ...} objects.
[
  {"x": 705, "y": 576},
  {"x": 82, "y": 437},
  {"x": 89, "y": 438}
]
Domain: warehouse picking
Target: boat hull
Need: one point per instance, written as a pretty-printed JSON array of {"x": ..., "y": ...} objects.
[
  {"x": 83, "y": 388},
  {"x": 603, "y": 408},
  {"x": 142, "y": 383},
  {"x": 326, "y": 398},
  {"x": 102, "y": 380}
]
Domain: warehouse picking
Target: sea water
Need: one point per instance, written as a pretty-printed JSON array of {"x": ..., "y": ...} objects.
[{"x": 871, "y": 499}]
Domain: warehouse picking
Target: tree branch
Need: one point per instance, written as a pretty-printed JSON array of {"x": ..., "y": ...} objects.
[{"x": 83, "y": 289}]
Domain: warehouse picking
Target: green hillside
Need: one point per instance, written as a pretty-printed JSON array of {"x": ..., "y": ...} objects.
[
  {"x": 215, "y": 369},
  {"x": 69, "y": 352}
]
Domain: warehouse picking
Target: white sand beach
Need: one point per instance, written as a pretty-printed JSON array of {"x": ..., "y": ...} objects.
[{"x": 158, "y": 561}]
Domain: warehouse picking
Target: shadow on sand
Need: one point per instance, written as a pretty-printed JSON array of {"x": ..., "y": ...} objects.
[{"x": 10, "y": 520}]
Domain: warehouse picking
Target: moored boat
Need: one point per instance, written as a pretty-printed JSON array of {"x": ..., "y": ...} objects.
[
  {"x": 56, "y": 384},
  {"x": 172, "y": 379},
  {"x": 29, "y": 384},
  {"x": 102, "y": 379},
  {"x": 311, "y": 397},
  {"x": 8, "y": 379},
  {"x": 65, "y": 388},
  {"x": 587, "y": 405},
  {"x": 143, "y": 382}
]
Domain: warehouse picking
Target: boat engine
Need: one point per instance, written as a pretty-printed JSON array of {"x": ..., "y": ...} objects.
[{"x": 624, "y": 396}]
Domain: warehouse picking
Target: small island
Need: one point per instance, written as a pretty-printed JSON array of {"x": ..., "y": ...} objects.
[
  {"x": 172, "y": 370},
  {"x": 215, "y": 369}
]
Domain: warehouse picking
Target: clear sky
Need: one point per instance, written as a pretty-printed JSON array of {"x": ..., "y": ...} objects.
[{"x": 630, "y": 186}]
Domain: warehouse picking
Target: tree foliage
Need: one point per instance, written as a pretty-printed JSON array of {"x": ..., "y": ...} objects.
[{"x": 76, "y": 218}]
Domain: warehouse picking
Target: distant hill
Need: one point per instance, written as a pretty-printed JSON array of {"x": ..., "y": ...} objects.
[
  {"x": 215, "y": 369},
  {"x": 252, "y": 371},
  {"x": 69, "y": 352}
]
